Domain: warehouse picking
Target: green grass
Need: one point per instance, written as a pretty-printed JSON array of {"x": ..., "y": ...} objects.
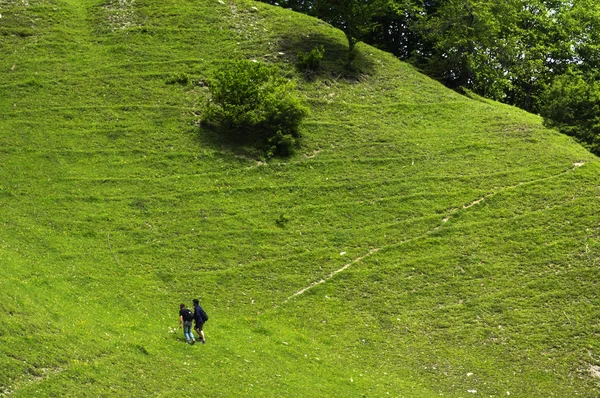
[{"x": 471, "y": 230}]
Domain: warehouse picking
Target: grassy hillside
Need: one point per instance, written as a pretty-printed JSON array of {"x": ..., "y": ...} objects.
[{"x": 432, "y": 244}]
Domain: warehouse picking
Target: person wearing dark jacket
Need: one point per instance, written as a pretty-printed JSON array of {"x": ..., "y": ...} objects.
[
  {"x": 185, "y": 320},
  {"x": 199, "y": 318}
]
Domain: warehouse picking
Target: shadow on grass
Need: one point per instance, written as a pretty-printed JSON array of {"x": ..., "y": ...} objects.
[
  {"x": 334, "y": 61},
  {"x": 231, "y": 145}
]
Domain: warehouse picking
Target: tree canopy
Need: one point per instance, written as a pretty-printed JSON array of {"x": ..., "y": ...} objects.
[{"x": 512, "y": 51}]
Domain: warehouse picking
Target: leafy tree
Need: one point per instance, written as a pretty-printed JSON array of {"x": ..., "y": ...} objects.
[
  {"x": 507, "y": 50},
  {"x": 356, "y": 18},
  {"x": 543, "y": 35},
  {"x": 251, "y": 102},
  {"x": 572, "y": 104},
  {"x": 394, "y": 29},
  {"x": 583, "y": 24},
  {"x": 469, "y": 44}
]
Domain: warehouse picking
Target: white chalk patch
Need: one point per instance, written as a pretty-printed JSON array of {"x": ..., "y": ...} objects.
[{"x": 594, "y": 371}]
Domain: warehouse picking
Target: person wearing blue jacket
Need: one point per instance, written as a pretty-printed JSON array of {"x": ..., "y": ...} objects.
[{"x": 199, "y": 318}]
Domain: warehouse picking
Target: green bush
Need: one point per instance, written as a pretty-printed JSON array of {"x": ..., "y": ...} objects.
[
  {"x": 253, "y": 103},
  {"x": 572, "y": 105},
  {"x": 312, "y": 60}
]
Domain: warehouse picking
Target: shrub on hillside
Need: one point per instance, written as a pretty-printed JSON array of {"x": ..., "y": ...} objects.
[
  {"x": 572, "y": 105},
  {"x": 310, "y": 61},
  {"x": 253, "y": 103}
]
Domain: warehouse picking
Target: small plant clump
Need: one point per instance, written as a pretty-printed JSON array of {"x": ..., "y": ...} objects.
[
  {"x": 282, "y": 220},
  {"x": 178, "y": 78},
  {"x": 252, "y": 103},
  {"x": 310, "y": 61}
]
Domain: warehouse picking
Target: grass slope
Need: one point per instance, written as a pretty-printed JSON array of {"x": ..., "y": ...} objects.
[{"x": 466, "y": 234}]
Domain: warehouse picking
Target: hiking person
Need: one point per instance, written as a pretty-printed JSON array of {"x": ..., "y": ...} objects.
[
  {"x": 185, "y": 319},
  {"x": 199, "y": 317}
]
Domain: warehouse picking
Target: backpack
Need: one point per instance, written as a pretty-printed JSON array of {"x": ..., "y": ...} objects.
[
  {"x": 204, "y": 315},
  {"x": 200, "y": 315},
  {"x": 187, "y": 315}
]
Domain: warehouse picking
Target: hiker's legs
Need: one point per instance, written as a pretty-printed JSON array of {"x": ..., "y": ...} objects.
[
  {"x": 187, "y": 332},
  {"x": 200, "y": 332}
]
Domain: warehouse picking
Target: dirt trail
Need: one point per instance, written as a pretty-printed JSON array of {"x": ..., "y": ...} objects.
[
  {"x": 446, "y": 218},
  {"x": 332, "y": 274}
]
